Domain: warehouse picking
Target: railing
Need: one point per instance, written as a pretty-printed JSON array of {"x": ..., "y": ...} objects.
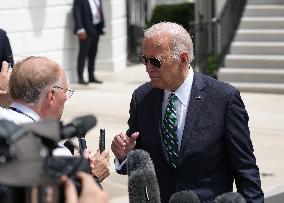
[{"x": 212, "y": 39}]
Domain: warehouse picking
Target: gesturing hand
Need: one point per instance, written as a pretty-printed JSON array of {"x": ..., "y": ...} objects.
[{"x": 122, "y": 144}]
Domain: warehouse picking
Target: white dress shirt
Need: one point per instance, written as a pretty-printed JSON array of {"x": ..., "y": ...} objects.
[
  {"x": 95, "y": 9},
  {"x": 183, "y": 95}
]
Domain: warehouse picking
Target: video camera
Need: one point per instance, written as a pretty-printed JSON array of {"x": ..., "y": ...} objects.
[{"x": 26, "y": 159}]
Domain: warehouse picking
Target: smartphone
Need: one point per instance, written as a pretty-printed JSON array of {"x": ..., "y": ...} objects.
[{"x": 102, "y": 140}]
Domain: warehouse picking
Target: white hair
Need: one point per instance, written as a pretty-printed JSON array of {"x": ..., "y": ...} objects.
[{"x": 180, "y": 39}]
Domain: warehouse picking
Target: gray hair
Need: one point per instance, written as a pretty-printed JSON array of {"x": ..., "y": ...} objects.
[
  {"x": 180, "y": 39},
  {"x": 31, "y": 76}
]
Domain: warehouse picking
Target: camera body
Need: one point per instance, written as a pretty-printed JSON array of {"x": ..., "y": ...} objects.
[{"x": 27, "y": 163}]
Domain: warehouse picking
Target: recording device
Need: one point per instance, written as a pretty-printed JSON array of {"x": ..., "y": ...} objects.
[
  {"x": 79, "y": 127},
  {"x": 187, "y": 196},
  {"x": 26, "y": 158},
  {"x": 230, "y": 197},
  {"x": 142, "y": 181},
  {"x": 102, "y": 140},
  {"x": 82, "y": 144}
]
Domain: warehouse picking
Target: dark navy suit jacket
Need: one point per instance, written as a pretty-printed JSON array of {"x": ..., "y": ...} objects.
[
  {"x": 5, "y": 49},
  {"x": 216, "y": 148},
  {"x": 83, "y": 17}
]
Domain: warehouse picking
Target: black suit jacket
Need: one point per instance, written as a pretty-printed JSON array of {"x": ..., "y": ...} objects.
[
  {"x": 216, "y": 147},
  {"x": 83, "y": 17},
  {"x": 5, "y": 49}
]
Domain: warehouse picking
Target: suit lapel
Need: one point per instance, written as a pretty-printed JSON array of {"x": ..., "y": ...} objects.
[{"x": 197, "y": 98}]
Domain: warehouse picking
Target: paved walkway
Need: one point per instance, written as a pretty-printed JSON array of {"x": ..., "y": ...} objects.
[{"x": 110, "y": 103}]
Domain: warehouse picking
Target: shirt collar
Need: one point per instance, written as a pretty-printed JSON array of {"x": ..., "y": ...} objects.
[
  {"x": 183, "y": 92},
  {"x": 26, "y": 110}
]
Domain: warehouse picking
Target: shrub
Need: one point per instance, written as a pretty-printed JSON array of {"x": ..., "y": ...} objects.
[{"x": 182, "y": 14}]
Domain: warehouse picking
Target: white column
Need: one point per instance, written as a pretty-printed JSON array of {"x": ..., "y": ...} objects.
[{"x": 112, "y": 51}]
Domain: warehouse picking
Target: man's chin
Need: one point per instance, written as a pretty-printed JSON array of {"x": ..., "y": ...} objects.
[{"x": 156, "y": 84}]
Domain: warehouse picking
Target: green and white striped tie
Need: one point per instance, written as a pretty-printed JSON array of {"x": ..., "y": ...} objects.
[{"x": 170, "y": 131}]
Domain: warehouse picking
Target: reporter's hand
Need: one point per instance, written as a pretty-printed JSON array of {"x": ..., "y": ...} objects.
[
  {"x": 99, "y": 165},
  {"x": 90, "y": 192},
  {"x": 5, "y": 73},
  {"x": 122, "y": 144}
]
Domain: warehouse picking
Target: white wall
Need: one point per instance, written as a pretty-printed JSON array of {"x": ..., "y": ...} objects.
[
  {"x": 40, "y": 27},
  {"x": 45, "y": 27},
  {"x": 112, "y": 53}
]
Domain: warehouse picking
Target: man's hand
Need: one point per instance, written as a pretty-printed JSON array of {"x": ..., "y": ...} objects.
[
  {"x": 99, "y": 164},
  {"x": 82, "y": 35},
  {"x": 122, "y": 144},
  {"x": 90, "y": 192},
  {"x": 4, "y": 84}
]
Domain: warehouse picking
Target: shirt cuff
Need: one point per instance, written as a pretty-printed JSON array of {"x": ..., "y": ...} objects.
[
  {"x": 118, "y": 166},
  {"x": 80, "y": 31}
]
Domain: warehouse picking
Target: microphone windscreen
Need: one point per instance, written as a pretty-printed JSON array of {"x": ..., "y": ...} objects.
[
  {"x": 78, "y": 127},
  {"x": 85, "y": 122},
  {"x": 230, "y": 197},
  {"x": 186, "y": 196},
  {"x": 143, "y": 187},
  {"x": 139, "y": 160}
]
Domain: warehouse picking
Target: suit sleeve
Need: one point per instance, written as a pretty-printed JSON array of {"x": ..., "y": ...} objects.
[
  {"x": 132, "y": 127},
  {"x": 77, "y": 14},
  {"x": 7, "y": 51},
  {"x": 132, "y": 121},
  {"x": 240, "y": 149}
]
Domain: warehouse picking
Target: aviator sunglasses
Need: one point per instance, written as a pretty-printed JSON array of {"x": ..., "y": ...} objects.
[{"x": 153, "y": 60}]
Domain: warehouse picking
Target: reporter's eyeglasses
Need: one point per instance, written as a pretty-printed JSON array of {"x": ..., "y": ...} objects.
[
  {"x": 68, "y": 91},
  {"x": 153, "y": 60}
]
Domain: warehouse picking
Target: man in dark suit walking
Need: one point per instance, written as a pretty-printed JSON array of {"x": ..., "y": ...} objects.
[
  {"x": 194, "y": 127},
  {"x": 89, "y": 25},
  {"x": 5, "y": 49}
]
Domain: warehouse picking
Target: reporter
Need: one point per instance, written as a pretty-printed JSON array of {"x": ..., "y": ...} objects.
[{"x": 90, "y": 192}]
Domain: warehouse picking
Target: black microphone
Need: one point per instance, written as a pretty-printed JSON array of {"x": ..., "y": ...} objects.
[
  {"x": 142, "y": 182},
  {"x": 187, "y": 196},
  {"x": 78, "y": 127},
  {"x": 230, "y": 197},
  {"x": 143, "y": 187},
  {"x": 139, "y": 159}
]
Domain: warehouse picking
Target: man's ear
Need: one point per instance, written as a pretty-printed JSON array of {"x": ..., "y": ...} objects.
[
  {"x": 51, "y": 96},
  {"x": 184, "y": 58}
]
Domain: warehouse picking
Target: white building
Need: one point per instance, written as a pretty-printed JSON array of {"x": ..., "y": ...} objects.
[{"x": 45, "y": 27}]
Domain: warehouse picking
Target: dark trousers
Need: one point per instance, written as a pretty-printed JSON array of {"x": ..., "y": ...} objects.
[{"x": 88, "y": 49}]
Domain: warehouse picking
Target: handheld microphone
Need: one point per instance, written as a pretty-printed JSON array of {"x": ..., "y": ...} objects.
[
  {"x": 82, "y": 144},
  {"x": 139, "y": 160},
  {"x": 102, "y": 140},
  {"x": 143, "y": 187},
  {"x": 142, "y": 182},
  {"x": 187, "y": 196},
  {"x": 230, "y": 197},
  {"x": 78, "y": 127}
]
